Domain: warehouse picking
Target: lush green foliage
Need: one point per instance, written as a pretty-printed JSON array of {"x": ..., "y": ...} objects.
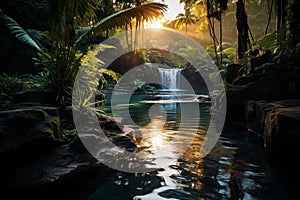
[
  {"x": 60, "y": 57},
  {"x": 271, "y": 41},
  {"x": 9, "y": 85},
  {"x": 228, "y": 52}
]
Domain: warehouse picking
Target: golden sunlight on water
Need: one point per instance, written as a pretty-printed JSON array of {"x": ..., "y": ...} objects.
[
  {"x": 167, "y": 141},
  {"x": 152, "y": 134}
]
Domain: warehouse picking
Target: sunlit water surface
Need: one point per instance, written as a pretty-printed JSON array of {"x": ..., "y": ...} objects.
[{"x": 235, "y": 169}]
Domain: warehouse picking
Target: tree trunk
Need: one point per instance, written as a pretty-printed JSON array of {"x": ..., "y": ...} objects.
[
  {"x": 295, "y": 22},
  {"x": 221, "y": 40},
  {"x": 242, "y": 28},
  {"x": 281, "y": 13},
  {"x": 281, "y": 19},
  {"x": 186, "y": 29},
  {"x": 269, "y": 17}
]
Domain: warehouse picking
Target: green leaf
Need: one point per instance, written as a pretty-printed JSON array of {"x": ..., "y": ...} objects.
[
  {"x": 272, "y": 41},
  {"x": 19, "y": 32}
]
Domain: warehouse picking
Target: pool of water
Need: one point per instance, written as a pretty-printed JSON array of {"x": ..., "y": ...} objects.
[{"x": 236, "y": 168}]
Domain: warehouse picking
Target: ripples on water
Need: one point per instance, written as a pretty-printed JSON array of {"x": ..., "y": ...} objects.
[{"x": 235, "y": 169}]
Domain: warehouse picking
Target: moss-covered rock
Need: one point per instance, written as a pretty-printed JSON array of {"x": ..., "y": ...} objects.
[{"x": 29, "y": 128}]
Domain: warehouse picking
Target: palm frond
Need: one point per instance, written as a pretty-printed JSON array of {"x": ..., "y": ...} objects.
[
  {"x": 66, "y": 15},
  {"x": 19, "y": 32},
  {"x": 180, "y": 21},
  {"x": 146, "y": 12},
  {"x": 183, "y": 20},
  {"x": 82, "y": 11},
  {"x": 38, "y": 36}
]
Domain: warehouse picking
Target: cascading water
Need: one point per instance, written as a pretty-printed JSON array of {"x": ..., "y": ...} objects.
[{"x": 170, "y": 78}]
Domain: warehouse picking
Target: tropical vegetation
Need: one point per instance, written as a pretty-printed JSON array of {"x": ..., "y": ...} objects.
[
  {"x": 61, "y": 48},
  {"x": 54, "y": 76}
]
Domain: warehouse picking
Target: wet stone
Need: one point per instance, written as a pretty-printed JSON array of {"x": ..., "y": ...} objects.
[
  {"x": 176, "y": 194},
  {"x": 176, "y": 167},
  {"x": 180, "y": 178}
]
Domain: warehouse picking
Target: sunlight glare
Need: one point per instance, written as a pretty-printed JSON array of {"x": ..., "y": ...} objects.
[
  {"x": 153, "y": 133},
  {"x": 155, "y": 24}
]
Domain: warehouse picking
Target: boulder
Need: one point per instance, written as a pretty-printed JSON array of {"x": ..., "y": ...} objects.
[
  {"x": 61, "y": 171},
  {"x": 64, "y": 170},
  {"x": 282, "y": 130},
  {"x": 124, "y": 142},
  {"x": 28, "y": 127},
  {"x": 278, "y": 122},
  {"x": 111, "y": 124},
  {"x": 37, "y": 166},
  {"x": 270, "y": 86},
  {"x": 256, "y": 115}
]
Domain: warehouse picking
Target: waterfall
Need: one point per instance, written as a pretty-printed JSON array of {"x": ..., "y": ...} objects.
[{"x": 170, "y": 78}]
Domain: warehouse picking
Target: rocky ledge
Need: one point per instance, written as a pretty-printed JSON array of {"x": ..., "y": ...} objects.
[
  {"x": 38, "y": 163},
  {"x": 279, "y": 123}
]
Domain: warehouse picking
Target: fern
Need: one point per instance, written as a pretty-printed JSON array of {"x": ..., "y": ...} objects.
[{"x": 36, "y": 35}]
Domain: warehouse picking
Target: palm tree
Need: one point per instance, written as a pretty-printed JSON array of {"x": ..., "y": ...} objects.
[
  {"x": 69, "y": 18},
  {"x": 183, "y": 20},
  {"x": 215, "y": 9}
]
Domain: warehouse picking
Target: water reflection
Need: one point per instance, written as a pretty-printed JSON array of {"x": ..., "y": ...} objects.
[
  {"x": 152, "y": 134},
  {"x": 235, "y": 169}
]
